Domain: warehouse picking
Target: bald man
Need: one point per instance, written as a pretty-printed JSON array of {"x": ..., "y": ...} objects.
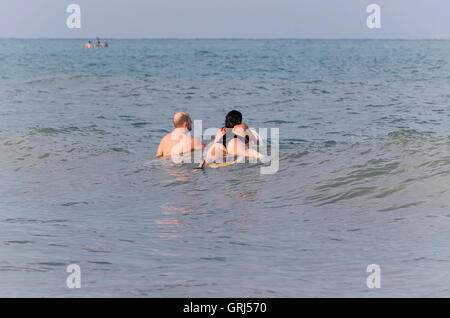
[{"x": 179, "y": 141}]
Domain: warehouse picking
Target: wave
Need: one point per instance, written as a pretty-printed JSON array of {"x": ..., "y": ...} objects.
[
  {"x": 54, "y": 131},
  {"x": 39, "y": 146},
  {"x": 279, "y": 121},
  {"x": 388, "y": 173},
  {"x": 60, "y": 78}
]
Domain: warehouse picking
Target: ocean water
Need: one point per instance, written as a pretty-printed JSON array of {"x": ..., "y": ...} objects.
[{"x": 364, "y": 170}]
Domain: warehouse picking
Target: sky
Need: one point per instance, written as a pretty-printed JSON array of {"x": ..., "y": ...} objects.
[{"x": 400, "y": 19}]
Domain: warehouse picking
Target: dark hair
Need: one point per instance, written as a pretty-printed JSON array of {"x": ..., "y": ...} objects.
[{"x": 232, "y": 119}]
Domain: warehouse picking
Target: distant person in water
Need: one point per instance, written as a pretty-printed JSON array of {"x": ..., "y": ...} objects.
[
  {"x": 233, "y": 139},
  {"x": 89, "y": 44},
  {"x": 99, "y": 44},
  {"x": 105, "y": 44},
  {"x": 179, "y": 141}
]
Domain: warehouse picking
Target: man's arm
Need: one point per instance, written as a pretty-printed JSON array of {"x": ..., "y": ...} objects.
[
  {"x": 159, "y": 152},
  {"x": 197, "y": 144}
]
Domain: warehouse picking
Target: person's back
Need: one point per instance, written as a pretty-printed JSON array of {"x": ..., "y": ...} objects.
[
  {"x": 178, "y": 141},
  {"x": 239, "y": 137},
  {"x": 239, "y": 144}
]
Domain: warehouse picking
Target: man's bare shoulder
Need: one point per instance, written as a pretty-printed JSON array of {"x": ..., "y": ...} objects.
[
  {"x": 166, "y": 137},
  {"x": 162, "y": 145}
]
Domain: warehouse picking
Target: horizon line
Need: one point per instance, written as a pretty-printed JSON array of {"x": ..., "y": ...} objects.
[{"x": 218, "y": 38}]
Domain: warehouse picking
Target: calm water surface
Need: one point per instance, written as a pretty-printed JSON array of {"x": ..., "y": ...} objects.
[{"x": 364, "y": 169}]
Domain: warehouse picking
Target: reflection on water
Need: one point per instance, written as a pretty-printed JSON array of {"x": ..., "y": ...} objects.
[
  {"x": 181, "y": 172},
  {"x": 171, "y": 227},
  {"x": 246, "y": 196},
  {"x": 170, "y": 209}
]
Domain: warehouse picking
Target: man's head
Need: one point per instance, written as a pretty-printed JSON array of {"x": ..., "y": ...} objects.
[{"x": 182, "y": 120}]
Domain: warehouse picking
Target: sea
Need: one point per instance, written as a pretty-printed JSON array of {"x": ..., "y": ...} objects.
[{"x": 363, "y": 178}]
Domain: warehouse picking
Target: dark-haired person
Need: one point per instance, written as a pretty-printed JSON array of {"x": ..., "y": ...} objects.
[
  {"x": 179, "y": 141},
  {"x": 99, "y": 44},
  {"x": 232, "y": 140}
]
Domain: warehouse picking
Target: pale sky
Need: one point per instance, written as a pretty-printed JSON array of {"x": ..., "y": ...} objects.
[{"x": 400, "y": 19}]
